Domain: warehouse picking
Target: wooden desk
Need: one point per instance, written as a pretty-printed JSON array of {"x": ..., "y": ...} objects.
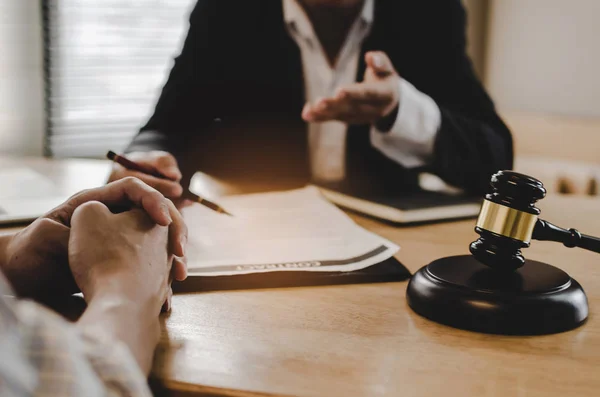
[{"x": 363, "y": 340}]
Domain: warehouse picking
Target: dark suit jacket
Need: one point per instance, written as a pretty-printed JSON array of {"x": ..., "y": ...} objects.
[{"x": 239, "y": 66}]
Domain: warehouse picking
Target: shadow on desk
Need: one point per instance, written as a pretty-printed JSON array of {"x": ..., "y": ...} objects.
[{"x": 167, "y": 388}]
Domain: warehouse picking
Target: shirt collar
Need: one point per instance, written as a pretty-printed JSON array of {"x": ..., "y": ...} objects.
[{"x": 295, "y": 17}]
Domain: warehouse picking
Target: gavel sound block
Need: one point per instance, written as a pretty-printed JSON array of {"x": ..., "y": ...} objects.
[{"x": 496, "y": 290}]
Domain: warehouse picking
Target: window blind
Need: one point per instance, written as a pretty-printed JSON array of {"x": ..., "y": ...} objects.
[{"x": 106, "y": 61}]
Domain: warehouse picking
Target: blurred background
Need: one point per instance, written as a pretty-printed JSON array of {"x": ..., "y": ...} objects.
[{"x": 78, "y": 77}]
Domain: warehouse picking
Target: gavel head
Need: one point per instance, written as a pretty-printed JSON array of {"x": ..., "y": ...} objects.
[{"x": 507, "y": 219}]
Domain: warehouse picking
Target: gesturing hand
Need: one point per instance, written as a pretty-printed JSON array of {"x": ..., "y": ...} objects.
[
  {"x": 36, "y": 259},
  {"x": 361, "y": 103}
]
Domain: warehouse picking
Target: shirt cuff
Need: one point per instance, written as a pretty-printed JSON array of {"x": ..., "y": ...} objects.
[
  {"x": 411, "y": 139},
  {"x": 114, "y": 365}
]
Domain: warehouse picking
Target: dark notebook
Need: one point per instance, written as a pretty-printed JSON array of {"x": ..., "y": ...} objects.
[
  {"x": 386, "y": 271},
  {"x": 407, "y": 207}
]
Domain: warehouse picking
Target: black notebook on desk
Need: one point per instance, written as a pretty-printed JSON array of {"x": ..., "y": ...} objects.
[
  {"x": 406, "y": 207},
  {"x": 387, "y": 271}
]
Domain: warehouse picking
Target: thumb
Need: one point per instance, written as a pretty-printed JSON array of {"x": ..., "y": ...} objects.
[{"x": 380, "y": 63}]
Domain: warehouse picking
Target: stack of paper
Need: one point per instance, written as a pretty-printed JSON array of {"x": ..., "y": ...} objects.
[{"x": 294, "y": 230}]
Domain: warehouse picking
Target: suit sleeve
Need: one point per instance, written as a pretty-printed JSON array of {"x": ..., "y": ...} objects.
[
  {"x": 190, "y": 99},
  {"x": 473, "y": 142}
]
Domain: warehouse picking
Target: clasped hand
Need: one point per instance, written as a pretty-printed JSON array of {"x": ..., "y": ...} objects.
[{"x": 81, "y": 244}]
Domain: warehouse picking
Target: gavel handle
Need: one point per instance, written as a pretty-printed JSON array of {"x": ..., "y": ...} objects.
[{"x": 546, "y": 231}]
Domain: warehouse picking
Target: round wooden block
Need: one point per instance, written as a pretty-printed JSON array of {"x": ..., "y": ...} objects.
[{"x": 461, "y": 292}]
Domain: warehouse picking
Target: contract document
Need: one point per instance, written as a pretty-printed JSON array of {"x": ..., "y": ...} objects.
[{"x": 296, "y": 230}]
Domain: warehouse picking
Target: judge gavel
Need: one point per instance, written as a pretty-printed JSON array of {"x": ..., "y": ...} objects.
[
  {"x": 496, "y": 290},
  {"x": 509, "y": 220}
]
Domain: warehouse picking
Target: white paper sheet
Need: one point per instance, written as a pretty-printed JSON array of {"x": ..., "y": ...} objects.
[
  {"x": 26, "y": 195},
  {"x": 18, "y": 183},
  {"x": 280, "y": 231}
]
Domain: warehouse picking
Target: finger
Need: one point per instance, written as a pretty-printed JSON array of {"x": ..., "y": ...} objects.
[
  {"x": 166, "y": 307},
  {"x": 167, "y": 187},
  {"x": 373, "y": 93},
  {"x": 328, "y": 109},
  {"x": 380, "y": 63},
  {"x": 310, "y": 109},
  {"x": 167, "y": 165},
  {"x": 323, "y": 109},
  {"x": 179, "y": 269},
  {"x": 135, "y": 191},
  {"x": 321, "y": 106},
  {"x": 160, "y": 160},
  {"x": 350, "y": 99},
  {"x": 178, "y": 232},
  {"x": 122, "y": 192},
  {"x": 352, "y": 113},
  {"x": 307, "y": 112},
  {"x": 182, "y": 203},
  {"x": 169, "y": 290},
  {"x": 365, "y": 117}
]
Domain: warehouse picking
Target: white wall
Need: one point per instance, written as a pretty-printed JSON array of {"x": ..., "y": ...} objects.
[
  {"x": 477, "y": 19},
  {"x": 544, "y": 55},
  {"x": 21, "y": 78}
]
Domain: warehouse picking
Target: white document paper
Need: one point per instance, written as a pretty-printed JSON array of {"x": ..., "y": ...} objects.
[
  {"x": 279, "y": 231},
  {"x": 26, "y": 195},
  {"x": 19, "y": 183}
]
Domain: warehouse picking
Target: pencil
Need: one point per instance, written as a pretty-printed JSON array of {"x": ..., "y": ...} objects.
[{"x": 133, "y": 166}]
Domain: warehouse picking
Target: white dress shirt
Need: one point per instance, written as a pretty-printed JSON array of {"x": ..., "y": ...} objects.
[{"x": 409, "y": 142}]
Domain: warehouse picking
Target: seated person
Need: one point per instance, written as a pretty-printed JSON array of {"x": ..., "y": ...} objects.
[
  {"x": 385, "y": 86},
  {"x": 122, "y": 263}
]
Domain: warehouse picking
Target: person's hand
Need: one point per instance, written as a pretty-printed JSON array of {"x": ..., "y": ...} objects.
[
  {"x": 124, "y": 254},
  {"x": 35, "y": 260},
  {"x": 361, "y": 103},
  {"x": 161, "y": 161},
  {"x": 122, "y": 264}
]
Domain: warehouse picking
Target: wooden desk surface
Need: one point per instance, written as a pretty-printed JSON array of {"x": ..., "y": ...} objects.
[{"x": 363, "y": 340}]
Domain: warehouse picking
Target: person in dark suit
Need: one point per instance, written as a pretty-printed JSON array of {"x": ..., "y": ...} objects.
[{"x": 365, "y": 92}]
